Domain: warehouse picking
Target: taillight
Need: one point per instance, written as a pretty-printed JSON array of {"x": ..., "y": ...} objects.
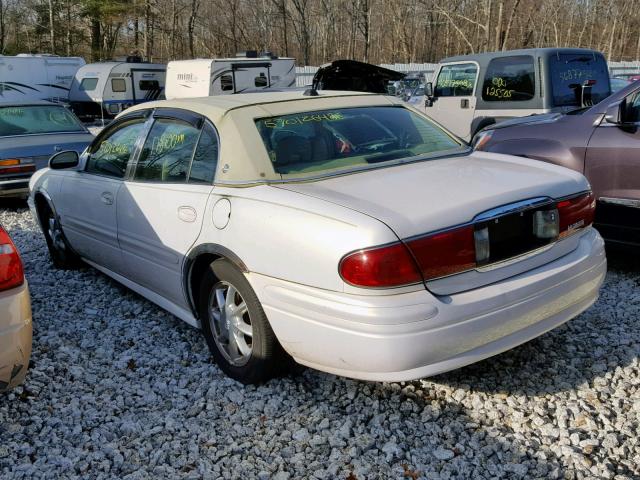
[
  {"x": 13, "y": 165},
  {"x": 380, "y": 267},
  {"x": 459, "y": 249},
  {"x": 576, "y": 213},
  {"x": 11, "y": 271},
  {"x": 445, "y": 253}
]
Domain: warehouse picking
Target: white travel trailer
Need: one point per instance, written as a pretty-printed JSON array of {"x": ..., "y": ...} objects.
[
  {"x": 102, "y": 90},
  {"x": 221, "y": 76},
  {"x": 37, "y": 77}
]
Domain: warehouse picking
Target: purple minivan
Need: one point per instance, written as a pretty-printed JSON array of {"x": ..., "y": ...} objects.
[{"x": 602, "y": 142}]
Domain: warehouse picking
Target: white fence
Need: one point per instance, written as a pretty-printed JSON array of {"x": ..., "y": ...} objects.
[{"x": 304, "y": 75}]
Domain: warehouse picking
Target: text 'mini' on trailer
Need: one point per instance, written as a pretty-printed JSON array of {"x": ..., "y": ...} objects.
[
  {"x": 470, "y": 92},
  {"x": 103, "y": 90},
  {"x": 249, "y": 71},
  {"x": 28, "y": 77}
]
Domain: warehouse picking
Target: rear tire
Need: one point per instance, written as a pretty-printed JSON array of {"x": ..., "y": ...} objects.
[
  {"x": 235, "y": 326},
  {"x": 62, "y": 255}
]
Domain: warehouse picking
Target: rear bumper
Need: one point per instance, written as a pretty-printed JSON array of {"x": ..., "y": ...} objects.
[
  {"x": 14, "y": 188},
  {"x": 413, "y": 335},
  {"x": 15, "y": 336}
]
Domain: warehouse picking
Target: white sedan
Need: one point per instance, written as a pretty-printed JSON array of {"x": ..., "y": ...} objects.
[{"x": 347, "y": 231}]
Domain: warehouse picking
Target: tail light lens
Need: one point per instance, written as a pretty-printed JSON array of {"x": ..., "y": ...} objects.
[
  {"x": 445, "y": 253},
  {"x": 456, "y": 250},
  {"x": 381, "y": 267},
  {"x": 576, "y": 213},
  {"x": 13, "y": 165},
  {"x": 11, "y": 271}
]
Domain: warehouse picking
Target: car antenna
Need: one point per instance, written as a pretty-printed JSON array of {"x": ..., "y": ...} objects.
[{"x": 311, "y": 92}]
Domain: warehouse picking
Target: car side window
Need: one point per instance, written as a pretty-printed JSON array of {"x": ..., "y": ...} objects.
[
  {"x": 205, "y": 160},
  {"x": 509, "y": 79},
  {"x": 456, "y": 80},
  {"x": 167, "y": 151},
  {"x": 110, "y": 155}
]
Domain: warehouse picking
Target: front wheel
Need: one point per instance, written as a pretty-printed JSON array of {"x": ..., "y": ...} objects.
[
  {"x": 61, "y": 253},
  {"x": 235, "y": 326}
]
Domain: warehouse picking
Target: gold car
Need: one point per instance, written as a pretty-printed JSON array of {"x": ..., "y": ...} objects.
[{"x": 15, "y": 316}]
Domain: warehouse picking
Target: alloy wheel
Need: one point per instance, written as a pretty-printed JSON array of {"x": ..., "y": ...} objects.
[{"x": 231, "y": 324}]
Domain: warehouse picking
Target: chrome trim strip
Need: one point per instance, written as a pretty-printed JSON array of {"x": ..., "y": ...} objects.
[
  {"x": 625, "y": 202},
  {"x": 512, "y": 208}
]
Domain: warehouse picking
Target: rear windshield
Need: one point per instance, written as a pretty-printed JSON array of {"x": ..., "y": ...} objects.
[
  {"x": 37, "y": 119},
  {"x": 570, "y": 71},
  {"x": 327, "y": 141}
]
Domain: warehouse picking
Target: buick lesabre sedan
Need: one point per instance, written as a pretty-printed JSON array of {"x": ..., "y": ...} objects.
[{"x": 345, "y": 230}]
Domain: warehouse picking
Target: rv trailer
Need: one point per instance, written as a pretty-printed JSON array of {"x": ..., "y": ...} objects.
[
  {"x": 103, "y": 90},
  {"x": 37, "y": 77},
  {"x": 222, "y": 76}
]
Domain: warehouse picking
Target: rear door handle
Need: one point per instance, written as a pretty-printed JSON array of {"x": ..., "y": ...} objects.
[{"x": 107, "y": 198}]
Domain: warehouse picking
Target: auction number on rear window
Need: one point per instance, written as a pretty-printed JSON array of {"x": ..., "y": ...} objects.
[
  {"x": 576, "y": 74},
  {"x": 301, "y": 119}
]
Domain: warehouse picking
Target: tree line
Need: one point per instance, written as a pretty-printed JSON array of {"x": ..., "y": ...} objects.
[{"x": 315, "y": 31}]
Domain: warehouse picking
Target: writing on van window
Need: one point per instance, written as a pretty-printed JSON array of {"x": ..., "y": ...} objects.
[
  {"x": 166, "y": 142},
  {"x": 302, "y": 119},
  {"x": 12, "y": 112},
  {"x": 576, "y": 74},
  {"x": 455, "y": 83},
  {"x": 498, "y": 89}
]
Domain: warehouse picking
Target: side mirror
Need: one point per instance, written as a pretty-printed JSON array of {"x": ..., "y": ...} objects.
[
  {"x": 613, "y": 114},
  {"x": 66, "y": 159},
  {"x": 428, "y": 89}
]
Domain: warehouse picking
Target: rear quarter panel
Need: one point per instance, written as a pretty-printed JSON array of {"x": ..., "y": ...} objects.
[{"x": 291, "y": 236}]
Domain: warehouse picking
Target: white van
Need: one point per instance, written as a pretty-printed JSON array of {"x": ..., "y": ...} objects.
[
  {"x": 221, "y": 76},
  {"x": 37, "y": 77},
  {"x": 103, "y": 90},
  {"x": 470, "y": 92}
]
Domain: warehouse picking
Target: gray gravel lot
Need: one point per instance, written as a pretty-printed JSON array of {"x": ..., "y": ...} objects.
[{"x": 120, "y": 389}]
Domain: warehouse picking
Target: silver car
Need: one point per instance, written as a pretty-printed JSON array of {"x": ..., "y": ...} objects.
[{"x": 29, "y": 134}]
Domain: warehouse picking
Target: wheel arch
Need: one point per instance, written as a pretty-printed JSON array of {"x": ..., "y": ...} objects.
[
  {"x": 196, "y": 264},
  {"x": 42, "y": 198}
]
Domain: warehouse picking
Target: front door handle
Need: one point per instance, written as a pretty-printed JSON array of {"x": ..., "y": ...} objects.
[{"x": 107, "y": 198}]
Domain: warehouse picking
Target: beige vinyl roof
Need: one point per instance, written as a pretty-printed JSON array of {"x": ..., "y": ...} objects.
[
  {"x": 243, "y": 156},
  {"x": 215, "y": 107}
]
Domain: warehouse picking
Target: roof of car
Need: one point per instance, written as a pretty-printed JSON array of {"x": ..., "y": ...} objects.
[
  {"x": 524, "y": 51},
  {"x": 215, "y": 107}
]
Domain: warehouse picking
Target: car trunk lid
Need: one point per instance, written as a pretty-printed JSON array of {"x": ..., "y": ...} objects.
[{"x": 426, "y": 197}]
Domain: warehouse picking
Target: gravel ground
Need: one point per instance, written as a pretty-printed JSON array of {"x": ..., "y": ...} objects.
[{"x": 120, "y": 389}]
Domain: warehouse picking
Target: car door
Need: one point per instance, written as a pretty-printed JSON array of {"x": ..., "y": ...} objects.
[
  {"x": 454, "y": 102},
  {"x": 612, "y": 165},
  {"x": 87, "y": 202},
  {"x": 161, "y": 205}
]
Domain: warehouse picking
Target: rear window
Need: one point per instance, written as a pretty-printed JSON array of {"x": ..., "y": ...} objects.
[
  {"x": 570, "y": 71},
  {"x": 88, "y": 84},
  {"x": 37, "y": 119},
  {"x": 509, "y": 79},
  {"x": 342, "y": 139}
]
